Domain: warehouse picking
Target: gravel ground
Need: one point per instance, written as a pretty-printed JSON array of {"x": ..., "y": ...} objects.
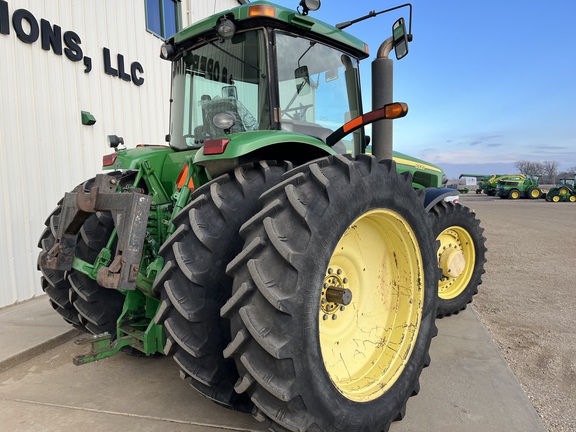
[{"x": 528, "y": 298}]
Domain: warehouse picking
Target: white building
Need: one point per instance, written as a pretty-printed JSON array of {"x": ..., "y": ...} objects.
[{"x": 64, "y": 64}]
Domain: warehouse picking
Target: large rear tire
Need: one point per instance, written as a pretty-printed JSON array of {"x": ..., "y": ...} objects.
[
  {"x": 54, "y": 282},
  {"x": 461, "y": 256},
  {"x": 194, "y": 284},
  {"x": 333, "y": 303}
]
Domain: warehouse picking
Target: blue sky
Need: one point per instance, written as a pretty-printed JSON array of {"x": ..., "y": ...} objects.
[{"x": 486, "y": 82}]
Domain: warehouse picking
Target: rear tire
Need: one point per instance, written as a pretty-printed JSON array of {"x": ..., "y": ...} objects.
[
  {"x": 194, "y": 284},
  {"x": 99, "y": 308},
  {"x": 298, "y": 362},
  {"x": 514, "y": 194},
  {"x": 461, "y": 256},
  {"x": 54, "y": 282}
]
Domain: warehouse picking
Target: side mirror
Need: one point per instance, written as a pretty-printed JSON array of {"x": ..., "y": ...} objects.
[
  {"x": 302, "y": 78},
  {"x": 331, "y": 75},
  {"x": 400, "y": 38}
]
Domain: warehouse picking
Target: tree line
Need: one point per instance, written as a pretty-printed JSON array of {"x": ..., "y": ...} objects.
[{"x": 546, "y": 170}]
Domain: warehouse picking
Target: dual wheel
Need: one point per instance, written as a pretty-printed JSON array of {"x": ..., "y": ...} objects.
[{"x": 329, "y": 293}]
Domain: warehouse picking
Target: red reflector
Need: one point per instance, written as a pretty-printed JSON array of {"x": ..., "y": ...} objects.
[
  {"x": 109, "y": 159},
  {"x": 215, "y": 146}
]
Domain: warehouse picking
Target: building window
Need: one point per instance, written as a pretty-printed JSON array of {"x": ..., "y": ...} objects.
[{"x": 162, "y": 17}]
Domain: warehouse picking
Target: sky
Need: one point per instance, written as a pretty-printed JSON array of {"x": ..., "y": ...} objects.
[{"x": 490, "y": 82}]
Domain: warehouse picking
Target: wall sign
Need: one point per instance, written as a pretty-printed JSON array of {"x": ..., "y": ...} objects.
[{"x": 29, "y": 30}]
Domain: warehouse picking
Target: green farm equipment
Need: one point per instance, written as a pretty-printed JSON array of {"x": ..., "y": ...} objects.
[
  {"x": 565, "y": 190},
  {"x": 489, "y": 183},
  {"x": 527, "y": 187},
  {"x": 263, "y": 243}
]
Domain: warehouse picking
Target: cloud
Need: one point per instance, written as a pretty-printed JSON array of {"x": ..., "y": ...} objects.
[{"x": 483, "y": 140}]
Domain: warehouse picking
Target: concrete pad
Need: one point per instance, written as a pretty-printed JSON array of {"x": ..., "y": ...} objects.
[
  {"x": 50, "y": 394},
  {"x": 468, "y": 387},
  {"x": 28, "y": 329}
]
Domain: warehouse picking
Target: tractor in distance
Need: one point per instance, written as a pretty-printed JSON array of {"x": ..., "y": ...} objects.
[
  {"x": 565, "y": 190},
  {"x": 262, "y": 244},
  {"x": 489, "y": 183},
  {"x": 528, "y": 187}
]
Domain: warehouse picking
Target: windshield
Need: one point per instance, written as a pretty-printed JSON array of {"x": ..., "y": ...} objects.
[
  {"x": 318, "y": 88},
  {"x": 220, "y": 76}
]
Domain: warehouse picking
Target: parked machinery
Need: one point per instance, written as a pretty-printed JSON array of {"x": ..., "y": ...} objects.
[
  {"x": 528, "y": 187},
  {"x": 286, "y": 278},
  {"x": 563, "y": 191}
]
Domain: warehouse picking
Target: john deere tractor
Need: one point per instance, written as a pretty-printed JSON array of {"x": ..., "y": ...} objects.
[
  {"x": 519, "y": 188},
  {"x": 565, "y": 191},
  {"x": 488, "y": 184},
  {"x": 287, "y": 272}
]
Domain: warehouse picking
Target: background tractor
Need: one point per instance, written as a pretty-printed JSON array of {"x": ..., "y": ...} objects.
[
  {"x": 263, "y": 243},
  {"x": 527, "y": 187},
  {"x": 488, "y": 184},
  {"x": 565, "y": 190}
]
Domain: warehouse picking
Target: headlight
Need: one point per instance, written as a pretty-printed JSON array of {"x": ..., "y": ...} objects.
[{"x": 224, "y": 120}]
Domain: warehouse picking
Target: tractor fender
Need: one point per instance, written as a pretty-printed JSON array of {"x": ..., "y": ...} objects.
[{"x": 435, "y": 195}]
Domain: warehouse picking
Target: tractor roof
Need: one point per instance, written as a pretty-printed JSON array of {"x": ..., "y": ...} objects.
[{"x": 260, "y": 13}]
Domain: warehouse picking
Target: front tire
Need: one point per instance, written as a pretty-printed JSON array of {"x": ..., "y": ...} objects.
[
  {"x": 534, "y": 193},
  {"x": 333, "y": 303},
  {"x": 461, "y": 256}
]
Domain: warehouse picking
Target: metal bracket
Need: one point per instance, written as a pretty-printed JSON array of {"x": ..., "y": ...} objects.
[
  {"x": 130, "y": 214},
  {"x": 102, "y": 347}
]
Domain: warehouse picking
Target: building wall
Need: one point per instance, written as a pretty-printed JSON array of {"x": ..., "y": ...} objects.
[{"x": 45, "y": 150}]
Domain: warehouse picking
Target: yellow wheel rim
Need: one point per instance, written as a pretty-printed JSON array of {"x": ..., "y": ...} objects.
[
  {"x": 572, "y": 198},
  {"x": 377, "y": 267},
  {"x": 514, "y": 195},
  {"x": 535, "y": 193},
  {"x": 555, "y": 198},
  {"x": 563, "y": 191},
  {"x": 456, "y": 258}
]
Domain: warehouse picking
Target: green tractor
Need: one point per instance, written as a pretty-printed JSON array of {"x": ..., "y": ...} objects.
[
  {"x": 263, "y": 243},
  {"x": 527, "y": 187},
  {"x": 563, "y": 191},
  {"x": 488, "y": 184}
]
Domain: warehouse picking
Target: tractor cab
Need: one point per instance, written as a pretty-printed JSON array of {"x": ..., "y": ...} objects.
[{"x": 259, "y": 68}]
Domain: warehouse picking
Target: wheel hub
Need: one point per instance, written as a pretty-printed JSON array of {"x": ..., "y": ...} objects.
[
  {"x": 335, "y": 294},
  {"x": 456, "y": 259},
  {"x": 452, "y": 262}
]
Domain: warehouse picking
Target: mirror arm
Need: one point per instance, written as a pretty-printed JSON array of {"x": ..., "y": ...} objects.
[{"x": 372, "y": 14}]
